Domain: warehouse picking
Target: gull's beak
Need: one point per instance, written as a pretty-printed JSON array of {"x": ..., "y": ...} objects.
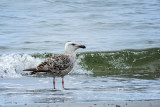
[{"x": 81, "y": 46}]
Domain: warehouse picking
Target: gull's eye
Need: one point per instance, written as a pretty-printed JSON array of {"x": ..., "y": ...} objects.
[{"x": 73, "y": 44}]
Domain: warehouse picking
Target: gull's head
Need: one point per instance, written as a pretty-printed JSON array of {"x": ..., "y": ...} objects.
[{"x": 70, "y": 47}]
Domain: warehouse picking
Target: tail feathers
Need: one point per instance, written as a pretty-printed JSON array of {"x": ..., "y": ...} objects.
[
  {"x": 31, "y": 69},
  {"x": 34, "y": 70}
]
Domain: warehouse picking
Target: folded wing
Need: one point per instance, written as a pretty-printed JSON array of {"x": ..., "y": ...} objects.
[{"x": 54, "y": 64}]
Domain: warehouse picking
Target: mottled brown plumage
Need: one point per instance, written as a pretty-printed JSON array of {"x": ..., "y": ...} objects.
[{"x": 55, "y": 65}]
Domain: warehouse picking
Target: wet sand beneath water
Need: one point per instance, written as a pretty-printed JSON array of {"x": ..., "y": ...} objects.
[{"x": 97, "y": 104}]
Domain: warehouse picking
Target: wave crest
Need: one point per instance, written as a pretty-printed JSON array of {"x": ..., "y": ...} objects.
[
  {"x": 130, "y": 62},
  {"x": 141, "y": 63}
]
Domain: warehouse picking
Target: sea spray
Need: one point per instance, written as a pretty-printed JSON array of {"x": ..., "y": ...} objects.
[{"x": 11, "y": 65}]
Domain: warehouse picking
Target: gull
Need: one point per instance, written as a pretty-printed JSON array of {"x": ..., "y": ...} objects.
[{"x": 60, "y": 64}]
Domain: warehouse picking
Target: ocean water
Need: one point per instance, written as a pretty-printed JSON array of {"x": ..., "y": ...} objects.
[{"x": 121, "y": 61}]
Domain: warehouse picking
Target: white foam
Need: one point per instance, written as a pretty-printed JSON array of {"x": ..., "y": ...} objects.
[
  {"x": 11, "y": 65},
  {"x": 78, "y": 69}
]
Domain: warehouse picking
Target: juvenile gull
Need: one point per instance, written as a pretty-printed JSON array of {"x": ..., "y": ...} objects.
[{"x": 59, "y": 65}]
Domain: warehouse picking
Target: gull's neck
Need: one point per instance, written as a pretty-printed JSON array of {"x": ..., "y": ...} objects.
[
  {"x": 72, "y": 55},
  {"x": 69, "y": 53}
]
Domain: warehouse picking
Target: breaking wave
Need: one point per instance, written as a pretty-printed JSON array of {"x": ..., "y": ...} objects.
[
  {"x": 12, "y": 65},
  {"x": 141, "y": 63}
]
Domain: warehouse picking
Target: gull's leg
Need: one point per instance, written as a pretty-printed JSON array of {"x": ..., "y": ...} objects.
[
  {"x": 62, "y": 82},
  {"x": 54, "y": 82}
]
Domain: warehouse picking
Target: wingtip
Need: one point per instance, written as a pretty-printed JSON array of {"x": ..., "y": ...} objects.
[{"x": 31, "y": 69}]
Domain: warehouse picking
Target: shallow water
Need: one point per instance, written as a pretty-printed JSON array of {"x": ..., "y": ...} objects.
[
  {"x": 78, "y": 88},
  {"x": 121, "y": 62}
]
